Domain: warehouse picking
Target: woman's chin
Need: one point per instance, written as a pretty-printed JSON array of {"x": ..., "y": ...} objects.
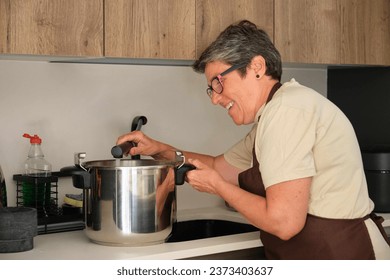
[{"x": 235, "y": 119}]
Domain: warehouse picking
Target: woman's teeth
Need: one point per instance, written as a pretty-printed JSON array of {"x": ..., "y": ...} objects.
[{"x": 229, "y": 105}]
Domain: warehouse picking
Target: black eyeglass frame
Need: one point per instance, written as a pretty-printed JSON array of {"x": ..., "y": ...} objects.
[{"x": 210, "y": 88}]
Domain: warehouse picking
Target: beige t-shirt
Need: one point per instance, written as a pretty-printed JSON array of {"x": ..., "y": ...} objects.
[{"x": 302, "y": 134}]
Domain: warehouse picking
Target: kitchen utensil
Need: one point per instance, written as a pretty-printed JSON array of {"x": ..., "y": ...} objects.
[
  {"x": 129, "y": 202},
  {"x": 18, "y": 226},
  {"x": 119, "y": 150}
]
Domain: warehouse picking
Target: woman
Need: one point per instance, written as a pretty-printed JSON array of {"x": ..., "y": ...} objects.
[{"x": 299, "y": 170}]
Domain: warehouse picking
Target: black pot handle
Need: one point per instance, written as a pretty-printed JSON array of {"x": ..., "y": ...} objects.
[
  {"x": 138, "y": 122},
  {"x": 180, "y": 173},
  {"x": 119, "y": 150},
  {"x": 81, "y": 179}
]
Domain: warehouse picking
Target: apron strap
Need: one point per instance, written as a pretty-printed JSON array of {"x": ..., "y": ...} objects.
[{"x": 378, "y": 220}]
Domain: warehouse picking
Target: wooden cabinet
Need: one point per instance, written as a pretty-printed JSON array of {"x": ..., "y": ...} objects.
[
  {"x": 175, "y": 29},
  {"x": 333, "y": 31},
  {"x": 163, "y": 29},
  {"x": 51, "y": 27},
  {"x": 304, "y": 31},
  {"x": 213, "y": 16},
  {"x": 365, "y": 32}
]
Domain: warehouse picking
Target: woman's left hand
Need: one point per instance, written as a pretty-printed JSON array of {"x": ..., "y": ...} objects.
[{"x": 203, "y": 178}]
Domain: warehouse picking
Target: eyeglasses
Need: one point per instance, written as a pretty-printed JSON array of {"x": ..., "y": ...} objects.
[{"x": 216, "y": 83}]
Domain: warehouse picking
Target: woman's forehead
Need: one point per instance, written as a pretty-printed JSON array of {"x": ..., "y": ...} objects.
[{"x": 215, "y": 68}]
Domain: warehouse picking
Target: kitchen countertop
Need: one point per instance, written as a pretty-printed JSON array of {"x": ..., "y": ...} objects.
[
  {"x": 75, "y": 245},
  {"x": 385, "y": 216}
]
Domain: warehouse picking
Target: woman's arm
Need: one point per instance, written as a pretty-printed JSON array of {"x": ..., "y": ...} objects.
[
  {"x": 282, "y": 213},
  {"x": 161, "y": 151}
]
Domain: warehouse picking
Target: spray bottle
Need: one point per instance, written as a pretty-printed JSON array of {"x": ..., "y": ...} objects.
[{"x": 35, "y": 193}]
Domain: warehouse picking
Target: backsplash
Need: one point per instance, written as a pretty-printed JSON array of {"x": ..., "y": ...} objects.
[{"x": 85, "y": 107}]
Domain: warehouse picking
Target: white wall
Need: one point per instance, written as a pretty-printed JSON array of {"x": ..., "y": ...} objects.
[{"x": 85, "y": 107}]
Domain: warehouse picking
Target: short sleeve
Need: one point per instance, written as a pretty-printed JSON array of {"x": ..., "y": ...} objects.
[
  {"x": 286, "y": 138},
  {"x": 240, "y": 155}
]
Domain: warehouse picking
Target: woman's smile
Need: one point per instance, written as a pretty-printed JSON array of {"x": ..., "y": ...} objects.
[{"x": 229, "y": 105}]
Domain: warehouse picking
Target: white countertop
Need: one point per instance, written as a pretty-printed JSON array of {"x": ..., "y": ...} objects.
[
  {"x": 75, "y": 244},
  {"x": 385, "y": 216}
]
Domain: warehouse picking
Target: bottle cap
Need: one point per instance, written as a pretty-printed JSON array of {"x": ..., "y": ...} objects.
[{"x": 33, "y": 139}]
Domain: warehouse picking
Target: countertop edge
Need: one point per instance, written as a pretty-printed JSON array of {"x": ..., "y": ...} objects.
[{"x": 75, "y": 244}]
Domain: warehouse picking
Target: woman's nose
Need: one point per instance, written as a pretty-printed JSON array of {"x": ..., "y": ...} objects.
[{"x": 215, "y": 98}]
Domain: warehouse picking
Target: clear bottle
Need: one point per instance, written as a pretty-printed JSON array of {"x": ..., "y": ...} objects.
[{"x": 36, "y": 190}]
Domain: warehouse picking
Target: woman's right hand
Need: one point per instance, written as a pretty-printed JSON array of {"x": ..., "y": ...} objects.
[{"x": 145, "y": 145}]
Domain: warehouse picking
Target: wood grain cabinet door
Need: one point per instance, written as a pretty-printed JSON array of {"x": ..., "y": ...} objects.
[
  {"x": 51, "y": 27},
  {"x": 163, "y": 29},
  {"x": 307, "y": 31},
  {"x": 365, "y": 32},
  {"x": 213, "y": 16},
  {"x": 333, "y": 31}
]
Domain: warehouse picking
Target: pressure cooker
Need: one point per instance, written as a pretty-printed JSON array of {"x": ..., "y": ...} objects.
[{"x": 128, "y": 202}]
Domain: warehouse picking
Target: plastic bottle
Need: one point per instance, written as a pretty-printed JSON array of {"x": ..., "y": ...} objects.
[{"x": 36, "y": 191}]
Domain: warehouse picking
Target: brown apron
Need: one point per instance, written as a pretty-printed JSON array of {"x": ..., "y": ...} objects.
[{"x": 320, "y": 238}]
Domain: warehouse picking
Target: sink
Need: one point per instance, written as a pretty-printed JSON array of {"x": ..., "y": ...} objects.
[
  {"x": 256, "y": 253},
  {"x": 206, "y": 228},
  {"x": 387, "y": 230}
]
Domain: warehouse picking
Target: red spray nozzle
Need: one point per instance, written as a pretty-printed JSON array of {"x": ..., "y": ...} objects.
[{"x": 33, "y": 139}]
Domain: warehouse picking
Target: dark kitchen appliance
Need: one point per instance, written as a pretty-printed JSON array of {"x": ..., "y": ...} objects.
[
  {"x": 363, "y": 94},
  {"x": 206, "y": 228},
  {"x": 377, "y": 170},
  {"x": 3, "y": 190}
]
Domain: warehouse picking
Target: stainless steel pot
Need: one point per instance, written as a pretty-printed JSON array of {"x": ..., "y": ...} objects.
[{"x": 129, "y": 202}]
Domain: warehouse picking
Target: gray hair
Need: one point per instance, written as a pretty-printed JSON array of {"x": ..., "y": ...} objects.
[{"x": 239, "y": 44}]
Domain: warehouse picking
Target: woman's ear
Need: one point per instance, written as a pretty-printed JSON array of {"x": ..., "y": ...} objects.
[{"x": 258, "y": 66}]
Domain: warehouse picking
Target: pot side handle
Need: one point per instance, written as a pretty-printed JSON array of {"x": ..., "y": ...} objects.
[
  {"x": 81, "y": 179},
  {"x": 180, "y": 173}
]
